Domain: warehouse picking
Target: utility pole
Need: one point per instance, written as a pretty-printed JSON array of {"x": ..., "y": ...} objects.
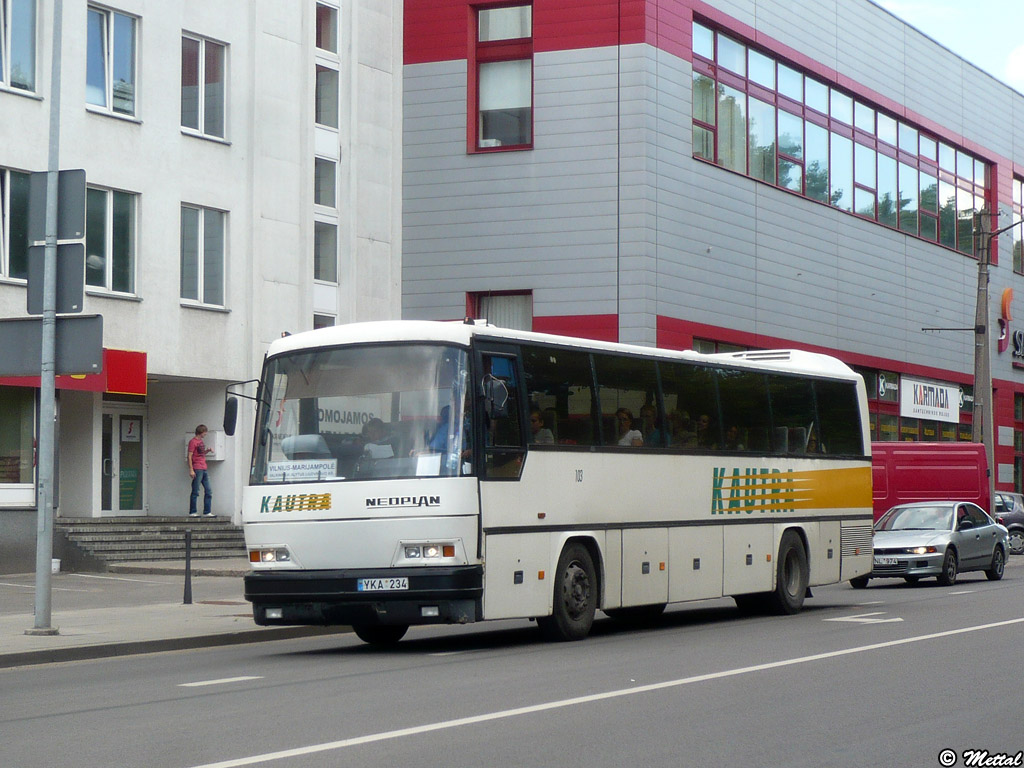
[
  {"x": 982, "y": 429},
  {"x": 48, "y": 356},
  {"x": 982, "y": 422}
]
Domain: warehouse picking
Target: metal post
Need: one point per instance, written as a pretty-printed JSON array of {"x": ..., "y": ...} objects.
[
  {"x": 47, "y": 385},
  {"x": 188, "y": 567},
  {"x": 982, "y": 426}
]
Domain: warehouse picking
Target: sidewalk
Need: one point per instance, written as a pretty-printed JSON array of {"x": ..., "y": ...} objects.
[{"x": 133, "y": 608}]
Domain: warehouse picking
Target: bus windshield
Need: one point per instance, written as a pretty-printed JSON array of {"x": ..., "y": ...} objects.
[{"x": 366, "y": 412}]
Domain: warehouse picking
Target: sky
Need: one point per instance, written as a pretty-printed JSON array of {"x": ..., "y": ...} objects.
[{"x": 987, "y": 33}]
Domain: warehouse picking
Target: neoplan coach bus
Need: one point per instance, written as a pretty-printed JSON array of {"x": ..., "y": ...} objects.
[{"x": 418, "y": 473}]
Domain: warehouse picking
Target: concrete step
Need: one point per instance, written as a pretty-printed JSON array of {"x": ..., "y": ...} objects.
[{"x": 93, "y": 543}]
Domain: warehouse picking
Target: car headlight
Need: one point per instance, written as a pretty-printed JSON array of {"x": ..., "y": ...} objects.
[{"x": 922, "y": 550}]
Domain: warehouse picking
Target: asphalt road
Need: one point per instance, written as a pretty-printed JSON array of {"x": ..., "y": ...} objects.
[{"x": 891, "y": 676}]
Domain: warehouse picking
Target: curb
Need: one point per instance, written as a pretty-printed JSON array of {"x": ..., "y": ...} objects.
[
  {"x": 130, "y": 648},
  {"x": 178, "y": 570}
]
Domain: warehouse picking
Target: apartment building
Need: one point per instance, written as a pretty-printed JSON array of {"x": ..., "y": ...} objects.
[{"x": 243, "y": 181}]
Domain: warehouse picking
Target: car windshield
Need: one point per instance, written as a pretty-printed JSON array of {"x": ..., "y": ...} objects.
[
  {"x": 916, "y": 518},
  {"x": 364, "y": 412}
]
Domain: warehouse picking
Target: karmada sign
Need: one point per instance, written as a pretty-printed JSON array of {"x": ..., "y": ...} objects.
[{"x": 929, "y": 400}]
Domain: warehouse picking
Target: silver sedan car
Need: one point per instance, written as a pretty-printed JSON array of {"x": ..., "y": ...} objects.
[{"x": 936, "y": 538}]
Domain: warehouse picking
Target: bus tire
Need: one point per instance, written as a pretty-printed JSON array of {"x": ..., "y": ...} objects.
[
  {"x": 791, "y": 575},
  {"x": 859, "y": 582},
  {"x": 575, "y": 596},
  {"x": 381, "y": 635}
]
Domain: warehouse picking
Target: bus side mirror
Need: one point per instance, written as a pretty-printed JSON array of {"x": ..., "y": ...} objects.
[{"x": 230, "y": 414}]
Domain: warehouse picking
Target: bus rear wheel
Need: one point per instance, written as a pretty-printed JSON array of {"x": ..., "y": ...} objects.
[
  {"x": 791, "y": 576},
  {"x": 380, "y": 634},
  {"x": 575, "y": 598}
]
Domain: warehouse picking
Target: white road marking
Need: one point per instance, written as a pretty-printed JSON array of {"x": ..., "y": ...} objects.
[
  {"x": 33, "y": 586},
  {"x": 963, "y": 592},
  {"x": 578, "y": 700},
  {"x": 222, "y": 681},
  {"x": 115, "y": 578},
  {"x": 865, "y": 618}
]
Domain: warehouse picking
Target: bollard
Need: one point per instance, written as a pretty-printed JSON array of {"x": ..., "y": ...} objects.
[{"x": 188, "y": 567}]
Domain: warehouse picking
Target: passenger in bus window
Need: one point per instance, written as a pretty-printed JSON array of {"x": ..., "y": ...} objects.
[
  {"x": 732, "y": 439},
  {"x": 683, "y": 433},
  {"x": 539, "y": 434},
  {"x": 651, "y": 427},
  {"x": 627, "y": 435},
  {"x": 377, "y": 443},
  {"x": 703, "y": 428}
]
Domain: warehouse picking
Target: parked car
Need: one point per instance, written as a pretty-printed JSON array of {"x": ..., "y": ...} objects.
[
  {"x": 1009, "y": 510},
  {"x": 936, "y": 538}
]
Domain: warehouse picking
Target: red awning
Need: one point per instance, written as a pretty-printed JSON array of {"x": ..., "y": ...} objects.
[{"x": 124, "y": 373}]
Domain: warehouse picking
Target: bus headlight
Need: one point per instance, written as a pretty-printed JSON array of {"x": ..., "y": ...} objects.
[
  {"x": 270, "y": 555},
  {"x": 430, "y": 551}
]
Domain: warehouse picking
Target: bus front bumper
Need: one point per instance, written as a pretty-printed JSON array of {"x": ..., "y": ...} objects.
[{"x": 438, "y": 595}]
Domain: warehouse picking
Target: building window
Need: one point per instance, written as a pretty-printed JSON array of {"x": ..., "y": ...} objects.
[
  {"x": 326, "y": 106},
  {"x": 760, "y": 117},
  {"x": 17, "y": 435},
  {"x": 18, "y": 44},
  {"x": 203, "y": 86},
  {"x": 712, "y": 347},
  {"x": 14, "y": 224},
  {"x": 323, "y": 321},
  {"x": 110, "y": 240},
  {"x": 325, "y": 252},
  {"x": 325, "y": 183},
  {"x": 110, "y": 61},
  {"x": 506, "y": 309},
  {"x": 202, "y": 255},
  {"x": 326, "y": 28},
  {"x": 1017, "y": 211},
  {"x": 503, "y": 61}
]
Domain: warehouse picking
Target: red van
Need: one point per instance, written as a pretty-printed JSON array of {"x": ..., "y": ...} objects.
[{"x": 905, "y": 472}]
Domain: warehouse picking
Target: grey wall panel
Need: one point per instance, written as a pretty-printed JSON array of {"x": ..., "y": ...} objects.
[
  {"x": 871, "y": 48},
  {"x": 808, "y": 26},
  {"x": 987, "y": 104},
  {"x": 934, "y": 81}
]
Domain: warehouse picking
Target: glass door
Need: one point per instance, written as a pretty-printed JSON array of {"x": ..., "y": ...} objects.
[{"x": 122, "y": 466}]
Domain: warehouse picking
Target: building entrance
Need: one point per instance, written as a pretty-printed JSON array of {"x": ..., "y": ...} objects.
[{"x": 122, "y": 473}]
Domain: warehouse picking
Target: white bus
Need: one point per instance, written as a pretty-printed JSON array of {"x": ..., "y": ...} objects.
[{"x": 420, "y": 473}]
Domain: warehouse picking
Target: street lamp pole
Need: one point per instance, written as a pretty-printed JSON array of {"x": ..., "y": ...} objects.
[{"x": 982, "y": 425}]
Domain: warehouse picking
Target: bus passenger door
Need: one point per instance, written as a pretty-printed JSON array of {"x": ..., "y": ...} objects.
[{"x": 500, "y": 413}]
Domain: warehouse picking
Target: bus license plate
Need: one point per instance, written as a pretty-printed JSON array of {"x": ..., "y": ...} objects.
[
  {"x": 382, "y": 585},
  {"x": 886, "y": 561}
]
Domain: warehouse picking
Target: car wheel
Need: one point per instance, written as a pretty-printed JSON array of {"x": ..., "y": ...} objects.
[
  {"x": 949, "y": 569},
  {"x": 911, "y": 579},
  {"x": 859, "y": 583},
  {"x": 995, "y": 571},
  {"x": 1015, "y": 541}
]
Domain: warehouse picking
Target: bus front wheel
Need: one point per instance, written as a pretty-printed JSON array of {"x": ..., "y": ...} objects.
[
  {"x": 575, "y": 596},
  {"x": 380, "y": 634}
]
